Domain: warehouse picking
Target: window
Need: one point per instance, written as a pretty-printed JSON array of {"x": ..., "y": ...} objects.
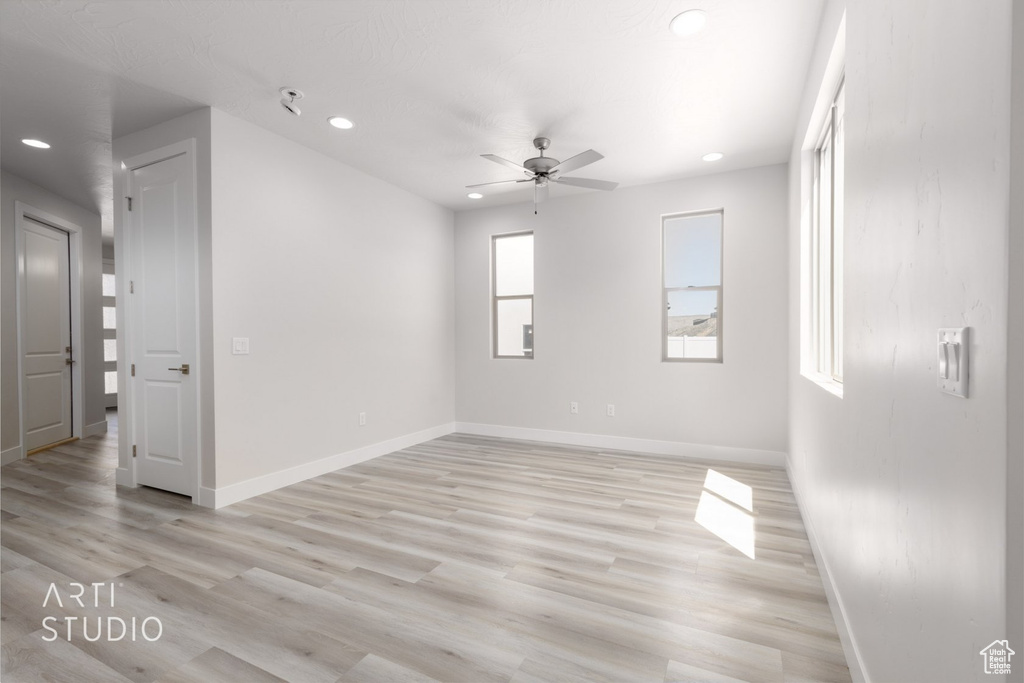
[
  {"x": 692, "y": 287},
  {"x": 109, "y": 334},
  {"x": 826, "y": 246},
  {"x": 512, "y": 288}
]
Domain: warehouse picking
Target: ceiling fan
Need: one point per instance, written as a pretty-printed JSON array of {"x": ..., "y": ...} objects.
[{"x": 543, "y": 170}]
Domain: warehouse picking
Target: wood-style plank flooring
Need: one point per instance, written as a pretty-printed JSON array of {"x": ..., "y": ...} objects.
[{"x": 461, "y": 559}]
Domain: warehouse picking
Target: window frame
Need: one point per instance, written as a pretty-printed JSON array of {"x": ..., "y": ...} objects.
[
  {"x": 109, "y": 334},
  {"x": 826, "y": 310},
  {"x": 495, "y": 298},
  {"x": 720, "y": 287}
]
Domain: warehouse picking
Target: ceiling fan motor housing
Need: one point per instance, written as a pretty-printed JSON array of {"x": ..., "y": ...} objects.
[{"x": 541, "y": 164}]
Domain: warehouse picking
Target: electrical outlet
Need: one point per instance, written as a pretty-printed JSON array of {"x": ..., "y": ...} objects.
[
  {"x": 362, "y": 419},
  {"x": 574, "y": 407},
  {"x": 611, "y": 410}
]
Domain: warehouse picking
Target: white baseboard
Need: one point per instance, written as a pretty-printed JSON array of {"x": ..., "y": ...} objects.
[
  {"x": 233, "y": 493},
  {"x": 10, "y": 455},
  {"x": 207, "y": 497},
  {"x": 858, "y": 672},
  {"x": 750, "y": 456},
  {"x": 94, "y": 429},
  {"x": 123, "y": 477}
]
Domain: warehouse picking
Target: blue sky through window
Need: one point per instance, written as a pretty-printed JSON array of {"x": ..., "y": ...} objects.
[{"x": 693, "y": 251}]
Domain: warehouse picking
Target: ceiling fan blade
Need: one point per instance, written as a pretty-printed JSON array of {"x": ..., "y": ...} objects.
[
  {"x": 540, "y": 193},
  {"x": 506, "y": 162},
  {"x": 578, "y": 161},
  {"x": 500, "y": 182},
  {"x": 587, "y": 182}
]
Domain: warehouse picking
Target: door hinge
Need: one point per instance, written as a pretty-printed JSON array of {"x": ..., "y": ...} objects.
[
  {"x": 129, "y": 203},
  {"x": 133, "y": 450},
  {"x": 131, "y": 286},
  {"x": 133, "y": 369}
]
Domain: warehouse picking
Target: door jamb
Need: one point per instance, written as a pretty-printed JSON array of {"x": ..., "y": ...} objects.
[{"x": 75, "y": 267}]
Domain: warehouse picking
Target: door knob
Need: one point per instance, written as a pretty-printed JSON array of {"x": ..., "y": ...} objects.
[
  {"x": 68, "y": 361},
  {"x": 183, "y": 369}
]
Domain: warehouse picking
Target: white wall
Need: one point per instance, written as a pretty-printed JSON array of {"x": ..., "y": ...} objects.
[
  {"x": 598, "y": 318},
  {"x": 343, "y": 285},
  {"x": 902, "y": 486},
  {"x": 14, "y": 188}
]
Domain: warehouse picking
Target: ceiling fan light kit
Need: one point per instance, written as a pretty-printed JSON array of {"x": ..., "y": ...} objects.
[{"x": 543, "y": 170}]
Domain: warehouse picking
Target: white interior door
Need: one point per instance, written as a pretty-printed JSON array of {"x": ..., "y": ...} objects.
[
  {"x": 46, "y": 334},
  {"x": 162, "y": 234}
]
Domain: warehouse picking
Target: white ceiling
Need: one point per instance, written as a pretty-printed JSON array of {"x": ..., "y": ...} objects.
[{"x": 430, "y": 84}]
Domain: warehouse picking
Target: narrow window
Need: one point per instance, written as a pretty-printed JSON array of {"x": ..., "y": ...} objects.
[
  {"x": 512, "y": 301},
  {"x": 692, "y": 287},
  {"x": 826, "y": 293},
  {"x": 109, "y": 334}
]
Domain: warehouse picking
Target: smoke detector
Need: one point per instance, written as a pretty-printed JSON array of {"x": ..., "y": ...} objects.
[{"x": 288, "y": 100}]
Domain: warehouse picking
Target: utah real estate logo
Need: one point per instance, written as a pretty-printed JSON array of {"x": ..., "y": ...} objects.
[{"x": 997, "y": 657}]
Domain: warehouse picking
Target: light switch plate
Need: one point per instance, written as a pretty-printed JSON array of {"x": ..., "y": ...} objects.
[
  {"x": 240, "y": 346},
  {"x": 953, "y": 360}
]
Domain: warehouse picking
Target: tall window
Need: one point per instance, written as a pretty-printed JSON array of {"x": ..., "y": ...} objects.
[
  {"x": 692, "y": 287},
  {"x": 512, "y": 289},
  {"x": 109, "y": 335},
  {"x": 826, "y": 295}
]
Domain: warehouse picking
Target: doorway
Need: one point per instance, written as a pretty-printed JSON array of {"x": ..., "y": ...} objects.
[
  {"x": 49, "y": 328},
  {"x": 159, "y": 408}
]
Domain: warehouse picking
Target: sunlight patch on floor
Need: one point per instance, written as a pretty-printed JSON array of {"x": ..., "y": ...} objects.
[{"x": 725, "y": 509}]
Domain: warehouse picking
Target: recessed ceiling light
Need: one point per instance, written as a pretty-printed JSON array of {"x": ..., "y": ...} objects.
[
  {"x": 340, "y": 122},
  {"x": 475, "y": 195},
  {"x": 36, "y": 143},
  {"x": 713, "y": 156},
  {"x": 689, "y": 22}
]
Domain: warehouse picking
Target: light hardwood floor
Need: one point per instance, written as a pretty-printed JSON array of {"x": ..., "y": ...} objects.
[{"x": 462, "y": 559}]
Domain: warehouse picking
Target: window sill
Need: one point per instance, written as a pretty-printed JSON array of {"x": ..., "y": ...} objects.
[{"x": 827, "y": 383}]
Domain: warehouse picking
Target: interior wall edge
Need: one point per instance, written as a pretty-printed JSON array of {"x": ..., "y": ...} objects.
[
  {"x": 193, "y": 125},
  {"x": 1015, "y": 354}
]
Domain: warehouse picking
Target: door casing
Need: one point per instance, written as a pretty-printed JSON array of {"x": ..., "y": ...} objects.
[
  {"x": 127, "y": 476},
  {"x": 21, "y": 212}
]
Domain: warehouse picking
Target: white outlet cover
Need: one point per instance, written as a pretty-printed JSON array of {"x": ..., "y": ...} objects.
[{"x": 240, "y": 346}]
